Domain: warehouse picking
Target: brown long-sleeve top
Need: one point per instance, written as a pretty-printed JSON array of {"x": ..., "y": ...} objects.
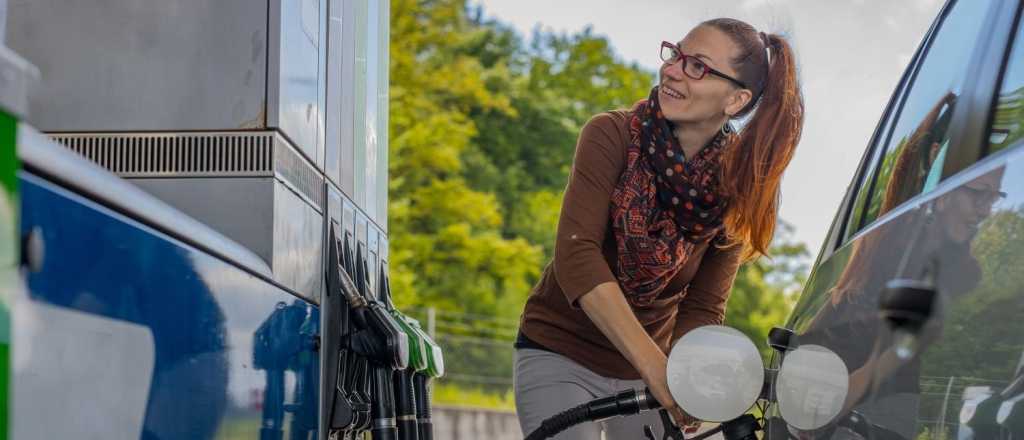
[{"x": 585, "y": 256}]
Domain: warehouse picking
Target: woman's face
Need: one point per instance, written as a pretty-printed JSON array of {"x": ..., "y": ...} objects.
[
  {"x": 711, "y": 98},
  {"x": 961, "y": 212}
]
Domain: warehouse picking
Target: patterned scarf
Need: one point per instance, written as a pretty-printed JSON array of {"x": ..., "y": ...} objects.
[{"x": 664, "y": 203}]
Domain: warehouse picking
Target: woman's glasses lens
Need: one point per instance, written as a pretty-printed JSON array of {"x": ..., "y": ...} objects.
[
  {"x": 695, "y": 69},
  {"x": 692, "y": 67},
  {"x": 669, "y": 55}
]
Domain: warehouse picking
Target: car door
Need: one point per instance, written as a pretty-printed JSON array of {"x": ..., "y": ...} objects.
[
  {"x": 903, "y": 220},
  {"x": 980, "y": 347}
]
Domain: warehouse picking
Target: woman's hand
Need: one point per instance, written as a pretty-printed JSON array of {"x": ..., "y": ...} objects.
[
  {"x": 608, "y": 310},
  {"x": 655, "y": 376}
]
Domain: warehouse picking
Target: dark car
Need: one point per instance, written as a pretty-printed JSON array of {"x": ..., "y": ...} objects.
[{"x": 919, "y": 286}]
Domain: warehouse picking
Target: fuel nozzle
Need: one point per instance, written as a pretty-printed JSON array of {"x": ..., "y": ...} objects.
[
  {"x": 433, "y": 368},
  {"x": 405, "y": 393},
  {"x": 378, "y": 336}
]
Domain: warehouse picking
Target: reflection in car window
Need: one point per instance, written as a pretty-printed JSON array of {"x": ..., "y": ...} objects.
[
  {"x": 1009, "y": 111},
  {"x": 916, "y": 150},
  {"x": 860, "y": 198}
]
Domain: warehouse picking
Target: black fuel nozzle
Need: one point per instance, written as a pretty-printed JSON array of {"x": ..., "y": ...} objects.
[
  {"x": 782, "y": 339},
  {"x": 744, "y": 427},
  {"x": 405, "y": 395},
  {"x": 424, "y": 426},
  {"x": 622, "y": 403},
  {"x": 377, "y": 336},
  {"x": 340, "y": 406},
  {"x": 387, "y": 346},
  {"x": 405, "y": 405},
  {"x": 383, "y": 407}
]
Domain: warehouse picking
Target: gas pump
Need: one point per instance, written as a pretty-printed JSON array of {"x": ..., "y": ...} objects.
[{"x": 373, "y": 346}]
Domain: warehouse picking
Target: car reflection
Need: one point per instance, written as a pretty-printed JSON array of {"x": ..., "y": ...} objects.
[
  {"x": 930, "y": 242},
  {"x": 285, "y": 342}
]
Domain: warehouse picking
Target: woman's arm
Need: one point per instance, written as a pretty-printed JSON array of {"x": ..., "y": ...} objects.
[
  {"x": 708, "y": 292},
  {"x": 607, "y": 308},
  {"x": 580, "y": 267}
]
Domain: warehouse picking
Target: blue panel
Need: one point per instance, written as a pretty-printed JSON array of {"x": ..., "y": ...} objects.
[{"x": 232, "y": 350}]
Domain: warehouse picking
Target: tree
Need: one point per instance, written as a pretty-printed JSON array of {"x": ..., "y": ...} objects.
[
  {"x": 765, "y": 289},
  {"x": 448, "y": 248}
]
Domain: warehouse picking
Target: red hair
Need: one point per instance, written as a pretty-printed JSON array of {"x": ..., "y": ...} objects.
[{"x": 752, "y": 167}]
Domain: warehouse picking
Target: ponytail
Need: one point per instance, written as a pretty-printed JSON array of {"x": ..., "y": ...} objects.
[{"x": 752, "y": 168}]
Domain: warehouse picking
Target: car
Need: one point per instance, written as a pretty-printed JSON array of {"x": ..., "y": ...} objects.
[{"x": 919, "y": 285}]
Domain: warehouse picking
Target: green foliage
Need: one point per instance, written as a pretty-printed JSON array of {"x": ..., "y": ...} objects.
[
  {"x": 482, "y": 133},
  {"x": 1008, "y": 119},
  {"x": 448, "y": 250},
  {"x": 765, "y": 289},
  {"x": 970, "y": 345},
  {"x": 449, "y": 394}
]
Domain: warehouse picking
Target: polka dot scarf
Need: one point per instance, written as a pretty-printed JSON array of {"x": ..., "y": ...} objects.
[{"x": 664, "y": 204}]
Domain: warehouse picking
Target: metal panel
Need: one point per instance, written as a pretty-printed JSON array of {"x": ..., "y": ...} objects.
[
  {"x": 359, "y": 105},
  {"x": 293, "y": 98},
  {"x": 244, "y": 208},
  {"x": 380, "y": 211},
  {"x": 372, "y": 255},
  {"x": 349, "y": 216},
  {"x": 262, "y": 214},
  {"x": 347, "y": 127},
  {"x": 335, "y": 201},
  {"x": 321, "y": 80},
  {"x": 298, "y": 243},
  {"x": 48, "y": 158},
  {"x": 200, "y": 154},
  {"x": 371, "y": 127},
  {"x": 212, "y": 327},
  {"x": 298, "y": 173},
  {"x": 348, "y": 221},
  {"x": 362, "y": 230},
  {"x": 332, "y": 109},
  {"x": 17, "y": 76},
  {"x": 218, "y": 154},
  {"x": 185, "y": 64}
]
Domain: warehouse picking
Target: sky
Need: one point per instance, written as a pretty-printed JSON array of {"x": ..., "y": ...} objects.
[{"x": 851, "y": 54}]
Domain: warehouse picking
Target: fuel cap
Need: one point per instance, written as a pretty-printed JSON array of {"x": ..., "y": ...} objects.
[
  {"x": 715, "y": 373},
  {"x": 811, "y": 386}
]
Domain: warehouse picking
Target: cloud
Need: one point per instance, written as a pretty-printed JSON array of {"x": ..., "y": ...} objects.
[
  {"x": 749, "y": 5},
  {"x": 927, "y": 5},
  {"x": 902, "y": 60},
  {"x": 891, "y": 21}
]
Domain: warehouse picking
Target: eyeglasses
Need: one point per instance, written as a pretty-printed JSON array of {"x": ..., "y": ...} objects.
[{"x": 693, "y": 67}]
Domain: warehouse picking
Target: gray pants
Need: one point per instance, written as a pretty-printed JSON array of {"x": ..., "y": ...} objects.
[{"x": 548, "y": 383}]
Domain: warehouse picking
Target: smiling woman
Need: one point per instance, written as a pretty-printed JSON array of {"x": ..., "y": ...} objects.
[{"x": 663, "y": 203}]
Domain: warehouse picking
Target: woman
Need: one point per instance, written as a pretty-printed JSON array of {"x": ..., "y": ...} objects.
[{"x": 663, "y": 203}]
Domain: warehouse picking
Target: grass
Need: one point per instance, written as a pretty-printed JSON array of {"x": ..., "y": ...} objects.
[{"x": 455, "y": 395}]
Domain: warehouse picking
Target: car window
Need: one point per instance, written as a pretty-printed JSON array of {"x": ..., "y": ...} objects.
[
  {"x": 853, "y": 221},
  {"x": 1009, "y": 107},
  {"x": 915, "y": 151}
]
